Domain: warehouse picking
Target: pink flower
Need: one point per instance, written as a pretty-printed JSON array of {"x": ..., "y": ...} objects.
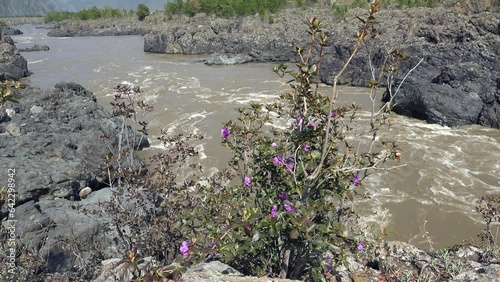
[
  {"x": 307, "y": 148},
  {"x": 248, "y": 182},
  {"x": 184, "y": 248},
  {"x": 224, "y": 132},
  {"x": 274, "y": 144},
  {"x": 312, "y": 124},
  {"x": 289, "y": 164},
  {"x": 278, "y": 160},
  {"x": 360, "y": 246},
  {"x": 290, "y": 208},
  {"x": 273, "y": 211},
  {"x": 356, "y": 180},
  {"x": 298, "y": 123}
]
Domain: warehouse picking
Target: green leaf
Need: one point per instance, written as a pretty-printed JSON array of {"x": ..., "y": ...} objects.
[{"x": 316, "y": 154}]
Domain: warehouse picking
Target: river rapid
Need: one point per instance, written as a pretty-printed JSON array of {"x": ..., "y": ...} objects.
[{"x": 432, "y": 198}]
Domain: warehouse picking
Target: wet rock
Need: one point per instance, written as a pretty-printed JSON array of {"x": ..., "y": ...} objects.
[{"x": 35, "y": 48}]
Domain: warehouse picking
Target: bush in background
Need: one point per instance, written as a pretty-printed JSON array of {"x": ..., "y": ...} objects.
[{"x": 142, "y": 12}]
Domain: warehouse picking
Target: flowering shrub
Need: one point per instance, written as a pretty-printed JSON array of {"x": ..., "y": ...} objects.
[{"x": 290, "y": 215}]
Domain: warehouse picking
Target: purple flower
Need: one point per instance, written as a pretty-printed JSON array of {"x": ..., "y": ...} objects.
[
  {"x": 333, "y": 114},
  {"x": 273, "y": 212},
  {"x": 312, "y": 124},
  {"x": 248, "y": 182},
  {"x": 284, "y": 196},
  {"x": 290, "y": 208},
  {"x": 298, "y": 122},
  {"x": 356, "y": 181},
  {"x": 307, "y": 148},
  {"x": 224, "y": 132},
  {"x": 328, "y": 264},
  {"x": 278, "y": 160},
  {"x": 184, "y": 248},
  {"x": 289, "y": 164},
  {"x": 274, "y": 144},
  {"x": 360, "y": 246}
]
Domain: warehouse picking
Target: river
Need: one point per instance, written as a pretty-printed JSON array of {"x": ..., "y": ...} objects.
[{"x": 432, "y": 198}]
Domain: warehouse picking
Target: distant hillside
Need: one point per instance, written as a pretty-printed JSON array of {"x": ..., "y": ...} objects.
[{"x": 16, "y": 8}]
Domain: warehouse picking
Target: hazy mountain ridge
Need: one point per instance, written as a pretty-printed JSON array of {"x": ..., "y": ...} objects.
[{"x": 16, "y": 8}]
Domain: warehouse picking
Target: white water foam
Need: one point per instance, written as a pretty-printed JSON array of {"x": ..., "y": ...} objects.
[{"x": 37, "y": 61}]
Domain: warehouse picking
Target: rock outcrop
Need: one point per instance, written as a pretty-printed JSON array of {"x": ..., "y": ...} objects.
[
  {"x": 458, "y": 80},
  {"x": 12, "y": 65},
  {"x": 56, "y": 140},
  {"x": 105, "y": 27},
  {"x": 7, "y": 30},
  {"x": 35, "y": 48}
]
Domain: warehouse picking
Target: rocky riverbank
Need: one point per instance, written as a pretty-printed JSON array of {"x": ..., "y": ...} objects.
[
  {"x": 457, "y": 83},
  {"x": 54, "y": 140},
  {"x": 54, "y": 143}
]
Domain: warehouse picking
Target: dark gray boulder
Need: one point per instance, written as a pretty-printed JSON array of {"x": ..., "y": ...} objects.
[
  {"x": 12, "y": 65},
  {"x": 35, "y": 48}
]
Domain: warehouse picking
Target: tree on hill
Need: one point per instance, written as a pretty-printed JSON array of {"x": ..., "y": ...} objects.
[{"x": 142, "y": 11}]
